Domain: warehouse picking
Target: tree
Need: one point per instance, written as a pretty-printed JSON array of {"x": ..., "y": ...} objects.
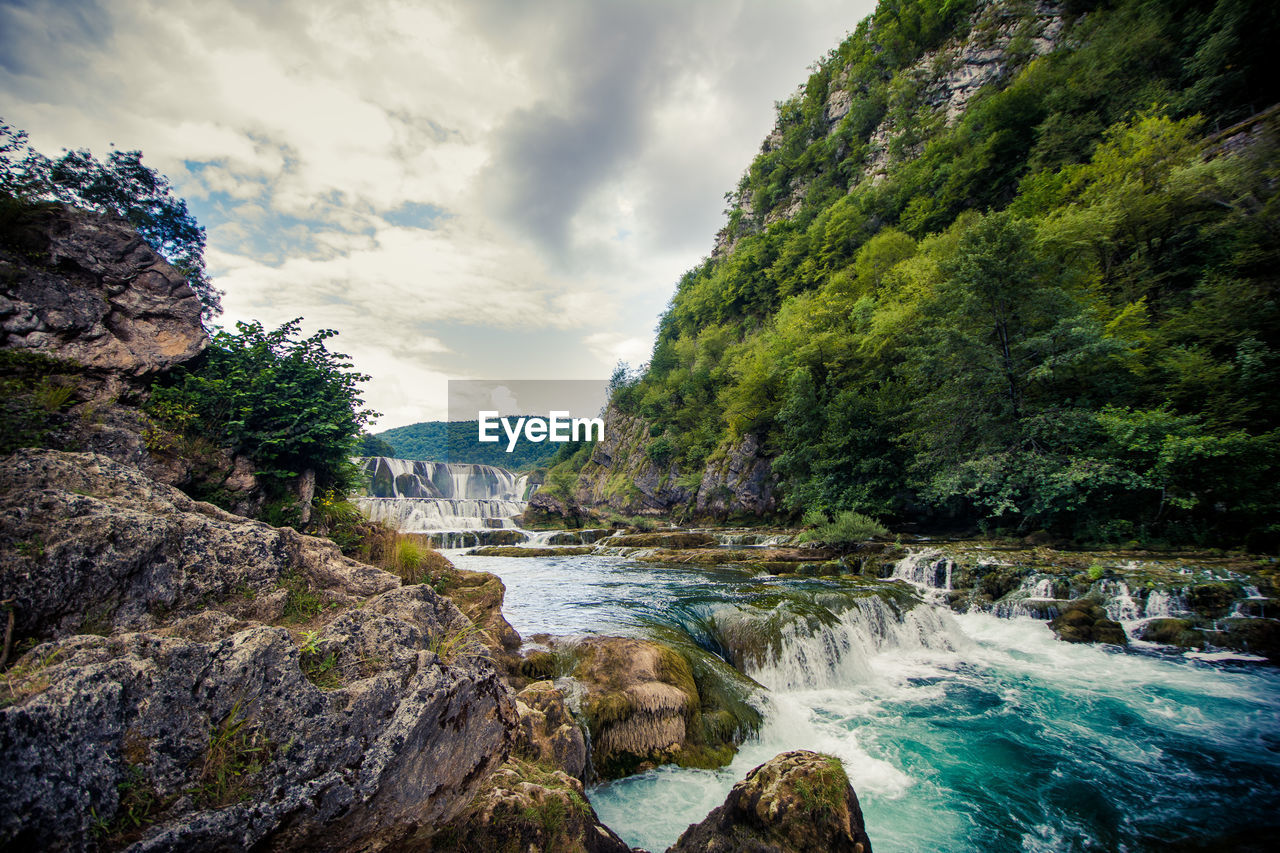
[
  {"x": 287, "y": 403},
  {"x": 121, "y": 185}
]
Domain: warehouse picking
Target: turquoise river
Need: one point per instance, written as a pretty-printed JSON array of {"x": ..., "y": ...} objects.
[{"x": 959, "y": 732}]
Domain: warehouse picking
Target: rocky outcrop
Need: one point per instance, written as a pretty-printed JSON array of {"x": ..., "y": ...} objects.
[
  {"x": 1086, "y": 621},
  {"x": 86, "y": 287},
  {"x": 798, "y": 802},
  {"x": 645, "y": 703},
  {"x": 548, "y": 733},
  {"x": 998, "y": 41},
  {"x": 211, "y": 683},
  {"x": 527, "y": 806},
  {"x": 622, "y": 476},
  {"x": 479, "y": 596},
  {"x": 88, "y": 544},
  {"x": 739, "y": 482}
]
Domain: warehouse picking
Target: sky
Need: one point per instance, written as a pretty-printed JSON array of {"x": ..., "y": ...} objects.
[{"x": 474, "y": 189}]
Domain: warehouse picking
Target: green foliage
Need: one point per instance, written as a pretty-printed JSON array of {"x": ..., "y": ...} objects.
[
  {"x": 1034, "y": 320},
  {"x": 372, "y": 445},
  {"x": 286, "y": 402},
  {"x": 34, "y": 390},
  {"x": 458, "y": 441},
  {"x": 302, "y": 603},
  {"x": 236, "y": 753},
  {"x": 119, "y": 185},
  {"x": 846, "y": 529}
]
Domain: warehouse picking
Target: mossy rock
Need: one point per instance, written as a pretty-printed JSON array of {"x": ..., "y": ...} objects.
[
  {"x": 516, "y": 551},
  {"x": 1172, "y": 632},
  {"x": 672, "y": 541},
  {"x": 1085, "y": 621},
  {"x": 538, "y": 665},
  {"x": 1212, "y": 600},
  {"x": 1252, "y": 636}
]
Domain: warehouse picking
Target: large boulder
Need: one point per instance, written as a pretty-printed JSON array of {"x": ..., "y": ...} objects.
[
  {"x": 548, "y": 733},
  {"x": 526, "y": 806},
  {"x": 209, "y": 682},
  {"x": 646, "y": 703},
  {"x": 88, "y": 544},
  {"x": 798, "y": 802},
  {"x": 1085, "y": 621},
  {"x": 86, "y": 287}
]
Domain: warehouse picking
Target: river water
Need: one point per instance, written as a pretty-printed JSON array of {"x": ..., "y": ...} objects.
[{"x": 959, "y": 732}]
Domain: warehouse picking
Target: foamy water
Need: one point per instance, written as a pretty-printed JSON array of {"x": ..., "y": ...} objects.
[{"x": 958, "y": 732}]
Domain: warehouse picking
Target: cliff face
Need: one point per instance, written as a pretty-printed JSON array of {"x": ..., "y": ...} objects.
[
  {"x": 935, "y": 89},
  {"x": 623, "y": 476},
  {"x": 997, "y": 41}
]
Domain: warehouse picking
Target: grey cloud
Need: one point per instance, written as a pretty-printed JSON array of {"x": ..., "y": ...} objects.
[{"x": 605, "y": 66}]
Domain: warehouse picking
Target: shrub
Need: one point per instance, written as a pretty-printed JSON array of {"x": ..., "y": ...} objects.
[
  {"x": 848, "y": 528},
  {"x": 286, "y": 402},
  {"x": 814, "y": 518}
]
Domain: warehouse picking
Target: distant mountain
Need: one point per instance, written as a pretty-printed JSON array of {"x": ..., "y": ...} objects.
[{"x": 457, "y": 441}]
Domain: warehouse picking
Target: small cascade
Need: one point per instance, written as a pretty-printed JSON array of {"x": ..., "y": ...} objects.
[
  {"x": 415, "y": 496},
  {"x": 838, "y": 651},
  {"x": 1036, "y": 598},
  {"x": 1162, "y": 604},
  {"x": 927, "y": 570},
  {"x": 1119, "y": 601}
]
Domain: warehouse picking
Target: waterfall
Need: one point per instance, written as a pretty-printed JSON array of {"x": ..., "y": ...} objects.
[
  {"x": 927, "y": 568},
  {"x": 1036, "y": 598},
  {"x": 415, "y": 496},
  {"x": 838, "y": 653}
]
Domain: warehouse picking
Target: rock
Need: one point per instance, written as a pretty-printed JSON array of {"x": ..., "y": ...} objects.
[
  {"x": 742, "y": 482},
  {"x": 1085, "y": 621},
  {"x": 86, "y": 287},
  {"x": 673, "y": 540},
  {"x": 546, "y": 510},
  {"x": 639, "y": 702},
  {"x": 525, "y": 806},
  {"x": 646, "y": 704},
  {"x": 222, "y": 740},
  {"x": 798, "y": 802},
  {"x": 522, "y": 551},
  {"x": 194, "y": 725},
  {"x": 548, "y": 733},
  {"x": 621, "y": 476},
  {"x": 1250, "y": 635},
  {"x": 1172, "y": 632},
  {"x": 89, "y": 545},
  {"x": 479, "y": 596}
]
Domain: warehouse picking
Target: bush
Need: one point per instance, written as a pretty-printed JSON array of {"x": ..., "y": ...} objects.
[
  {"x": 848, "y": 528},
  {"x": 814, "y": 518},
  {"x": 287, "y": 403}
]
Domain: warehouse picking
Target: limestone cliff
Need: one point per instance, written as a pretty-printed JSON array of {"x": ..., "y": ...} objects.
[{"x": 621, "y": 475}]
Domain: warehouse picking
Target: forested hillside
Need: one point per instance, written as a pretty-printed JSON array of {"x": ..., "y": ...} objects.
[
  {"x": 1010, "y": 264},
  {"x": 456, "y": 441}
]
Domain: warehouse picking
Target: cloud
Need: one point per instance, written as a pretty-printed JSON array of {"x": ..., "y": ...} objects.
[{"x": 460, "y": 188}]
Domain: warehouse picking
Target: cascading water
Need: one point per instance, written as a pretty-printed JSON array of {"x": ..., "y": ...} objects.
[
  {"x": 431, "y": 497},
  {"x": 959, "y": 733}
]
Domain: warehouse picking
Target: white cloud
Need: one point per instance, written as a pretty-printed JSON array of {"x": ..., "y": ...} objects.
[{"x": 578, "y": 153}]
